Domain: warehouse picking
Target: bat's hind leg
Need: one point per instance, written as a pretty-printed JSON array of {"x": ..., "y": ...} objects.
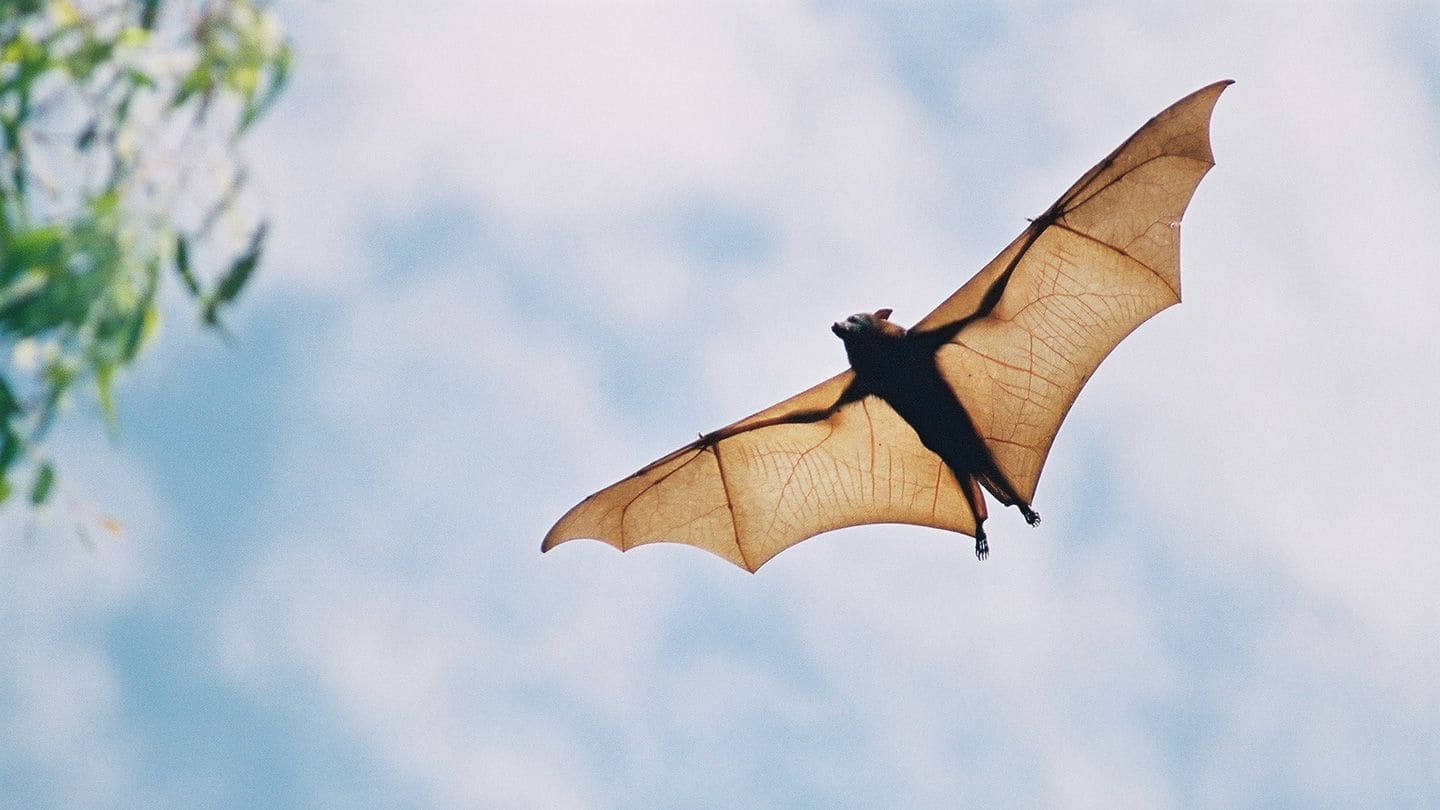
[
  {"x": 976, "y": 499},
  {"x": 1031, "y": 516},
  {"x": 1007, "y": 494}
]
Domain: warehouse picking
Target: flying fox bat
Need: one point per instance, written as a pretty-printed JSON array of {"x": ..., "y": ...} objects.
[{"x": 968, "y": 398}]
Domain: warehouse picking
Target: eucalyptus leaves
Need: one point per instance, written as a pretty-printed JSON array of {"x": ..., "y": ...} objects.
[{"x": 119, "y": 125}]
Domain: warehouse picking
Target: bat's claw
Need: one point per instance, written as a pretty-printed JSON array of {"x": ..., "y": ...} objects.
[
  {"x": 982, "y": 548},
  {"x": 1031, "y": 516}
]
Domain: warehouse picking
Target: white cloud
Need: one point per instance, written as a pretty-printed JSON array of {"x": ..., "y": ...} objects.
[
  {"x": 63, "y": 574},
  {"x": 582, "y": 130}
]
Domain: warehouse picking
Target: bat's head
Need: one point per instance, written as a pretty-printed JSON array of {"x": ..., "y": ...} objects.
[{"x": 866, "y": 323}]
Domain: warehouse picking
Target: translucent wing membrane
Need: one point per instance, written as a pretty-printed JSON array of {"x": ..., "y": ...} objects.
[
  {"x": 1096, "y": 265},
  {"x": 765, "y": 483}
]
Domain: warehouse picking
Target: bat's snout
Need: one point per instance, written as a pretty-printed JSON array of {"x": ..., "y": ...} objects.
[{"x": 858, "y": 322}]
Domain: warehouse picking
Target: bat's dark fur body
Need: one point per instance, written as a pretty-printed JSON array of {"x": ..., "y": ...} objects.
[{"x": 899, "y": 367}]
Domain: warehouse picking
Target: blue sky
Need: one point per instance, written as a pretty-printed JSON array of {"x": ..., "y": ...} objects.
[{"x": 519, "y": 252}]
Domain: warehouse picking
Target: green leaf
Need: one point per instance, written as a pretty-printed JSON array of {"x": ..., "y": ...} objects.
[
  {"x": 10, "y": 446},
  {"x": 90, "y": 55},
  {"x": 87, "y": 135},
  {"x": 235, "y": 278},
  {"x": 10, "y": 442},
  {"x": 24, "y": 6},
  {"x": 199, "y": 81},
  {"x": 142, "y": 317},
  {"x": 182, "y": 266},
  {"x": 139, "y": 79},
  {"x": 44, "y": 482},
  {"x": 279, "y": 77},
  {"x": 149, "y": 10},
  {"x": 58, "y": 376},
  {"x": 37, "y": 247},
  {"x": 105, "y": 391},
  {"x": 8, "y": 403}
]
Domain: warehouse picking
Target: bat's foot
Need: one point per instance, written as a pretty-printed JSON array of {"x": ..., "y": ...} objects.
[
  {"x": 1031, "y": 516},
  {"x": 982, "y": 548}
]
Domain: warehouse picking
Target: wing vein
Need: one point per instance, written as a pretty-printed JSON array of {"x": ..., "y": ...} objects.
[
  {"x": 1072, "y": 204},
  {"x": 625, "y": 510},
  {"x": 730, "y": 503},
  {"x": 1062, "y": 226}
]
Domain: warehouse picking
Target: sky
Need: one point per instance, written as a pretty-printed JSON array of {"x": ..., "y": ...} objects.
[{"x": 519, "y": 250}]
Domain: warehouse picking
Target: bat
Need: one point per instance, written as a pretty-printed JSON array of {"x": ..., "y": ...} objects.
[{"x": 969, "y": 398}]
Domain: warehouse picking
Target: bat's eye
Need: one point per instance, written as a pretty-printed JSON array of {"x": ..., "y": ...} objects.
[{"x": 860, "y": 320}]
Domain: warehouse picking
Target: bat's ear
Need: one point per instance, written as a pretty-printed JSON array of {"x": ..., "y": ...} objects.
[{"x": 883, "y": 314}]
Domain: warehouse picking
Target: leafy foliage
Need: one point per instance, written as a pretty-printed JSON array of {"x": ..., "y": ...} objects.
[{"x": 119, "y": 125}]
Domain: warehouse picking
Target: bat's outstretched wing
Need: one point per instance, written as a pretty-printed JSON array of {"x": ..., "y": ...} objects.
[
  {"x": 821, "y": 460},
  {"x": 1031, "y": 327},
  {"x": 1017, "y": 343}
]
